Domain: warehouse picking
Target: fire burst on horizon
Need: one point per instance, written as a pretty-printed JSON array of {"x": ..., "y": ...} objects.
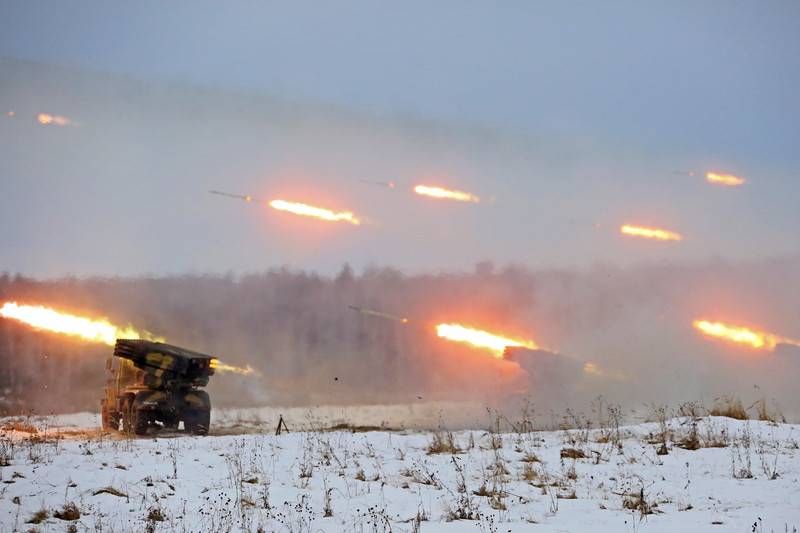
[
  {"x": 99, "y": 330},
  {"x": 759, "y": 340},
  {"x": 728, "y": 180},
  {"x": 445, "y": 194},
  {"x": 480, "y": 339},
  {"x": 650, "y": 233}
]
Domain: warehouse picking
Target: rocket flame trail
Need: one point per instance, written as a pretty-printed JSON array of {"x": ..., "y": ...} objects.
[
  {"x": 650, "y": 233},
  {"x": 316, "y": 212},
  {"x": 300, "y": 209},
  {"x": 44, "y": 318},
  {"x": 57, "y": 120},
  {"x": 446, "y": 194},
  {"x": 480, "y": 339},
  {"x": 724, "y": 179},
  {"x": 221, "y": 367},
  {"x": 760, "y": 340}
]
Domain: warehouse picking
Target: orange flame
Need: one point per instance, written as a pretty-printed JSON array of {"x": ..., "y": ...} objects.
[
  {"x": 479, "y": 338},
  {"x": 316, "y": 212},
  {"x": 724, "y": 179},
  {"x": 101, "y": 330},
  {"x": 58, "y": 120},
  {"x": 760, "y": 340},
  {"x": 221, "y": 367},
  {"x": 47, "y": 319},
  {"x": 650, "y": 233},
  {"x": 446, "y": 194}
]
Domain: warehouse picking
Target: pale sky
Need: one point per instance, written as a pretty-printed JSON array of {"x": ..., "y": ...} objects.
[{"x": 568, "y": 118}]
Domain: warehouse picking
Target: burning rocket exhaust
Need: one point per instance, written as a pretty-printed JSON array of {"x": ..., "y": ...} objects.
[
  {"x": 728, "y": 180},
  {"x": 221, "y": 367},
  {"x": 92, "y": 330},
  {"x": 742, "y": 336},
  {"x": 458, "y": 333},
  {"x": 480, "y": 339},
  {"x": 46, "y": 119},
  {"x": 441, "y": 193},
  {"x": 650, "y": 233},
  {"x": 46, "y": 319},
  {"x": 717, "y": 178},
  {"x": 301, "y": 209},
  {"x": 319, "y": 213}
]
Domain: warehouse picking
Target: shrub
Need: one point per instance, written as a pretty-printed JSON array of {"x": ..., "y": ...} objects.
[
  {"x": 38, "y": 517},
  {"x": 730, "y": 407},
  {"x": 443, "y": 442},
  {"x": 572, "y": 453},
  {"x": 155, "y": 514},
  {"x": 68, "y": 512}
]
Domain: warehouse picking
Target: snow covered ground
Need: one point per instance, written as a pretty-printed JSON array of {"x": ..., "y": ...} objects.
[{"x": 704, "y": 474}]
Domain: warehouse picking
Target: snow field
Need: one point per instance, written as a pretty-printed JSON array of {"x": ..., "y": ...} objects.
[{"x": 735, "y": 476}]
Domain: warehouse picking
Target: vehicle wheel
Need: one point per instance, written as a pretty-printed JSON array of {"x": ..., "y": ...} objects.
[
  {"x": 197, "y": 422},
  {"x": 105, "y": 422},
  {"x": 171, "y": 422},
  {"x": 114, "y": 419},
  {"x": 141, "y": 420},
  {"x": 127, "y": 416},
  {"x": 109, "y": 419}
]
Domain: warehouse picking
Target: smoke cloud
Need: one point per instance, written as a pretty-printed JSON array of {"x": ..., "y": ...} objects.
[
  {"x": 297, "y": 330},
  {"x": 111, "y": 215}
]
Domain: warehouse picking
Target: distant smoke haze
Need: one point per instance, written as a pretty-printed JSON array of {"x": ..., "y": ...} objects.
[{"x": 297, "y": 330}]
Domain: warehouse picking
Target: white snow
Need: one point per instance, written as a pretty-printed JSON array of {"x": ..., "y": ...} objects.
[{"x": 384, "y": 480}]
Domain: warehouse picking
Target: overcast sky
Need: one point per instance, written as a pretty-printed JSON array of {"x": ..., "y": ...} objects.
[{"x": 634, "y": 90}]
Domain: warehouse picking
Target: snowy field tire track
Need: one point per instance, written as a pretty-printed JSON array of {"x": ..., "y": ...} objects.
[{"x": 734, "y": 476}]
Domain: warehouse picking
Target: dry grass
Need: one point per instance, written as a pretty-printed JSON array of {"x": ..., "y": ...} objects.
[
  {"x": 528, "y": 473},
  {"x": 155, "y": 514},
  {"x": 21, "y": 426},
  {"x": 638, "y": 503},
  {"x": 765, "y": 414},
  {"x": 343, "y": 426},
  {"x": 110, "y": 490},
  {"x": 691, "y": 441},
  {"x": 572, "y": 453},
  {"x": 483, "y": 490},
  {"x": 730, "y": 407},
  {"x": 530, "y": 457},
  {"x": 443, "y": 442},
  {"x": 38, "y": 517},
  {"x": 691, "y": 410},
  {"x": 6, "y": 451},
  {"x": 68, "y": 512}
]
